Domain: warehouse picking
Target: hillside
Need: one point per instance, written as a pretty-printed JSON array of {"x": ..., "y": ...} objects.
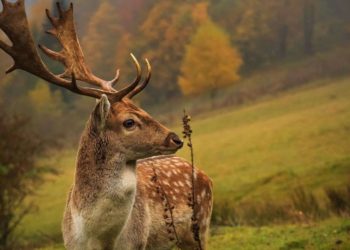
[
  {"x": 265, "y": 149},
  {"x": 254, "y": 153}
]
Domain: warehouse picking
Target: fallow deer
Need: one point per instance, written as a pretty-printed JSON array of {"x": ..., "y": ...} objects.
[{"x": 113, "y": 202}]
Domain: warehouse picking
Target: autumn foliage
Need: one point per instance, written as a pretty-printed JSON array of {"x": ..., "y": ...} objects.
[
  {"x": 195, "y": 47},
  {"x": 210, "y": 61}
]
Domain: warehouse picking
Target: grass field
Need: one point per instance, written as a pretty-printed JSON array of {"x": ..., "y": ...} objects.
[
  {"x": 331, "y": 234},
  {"x": 253, "y": 153},
  {"x": 264, "y": 150}
]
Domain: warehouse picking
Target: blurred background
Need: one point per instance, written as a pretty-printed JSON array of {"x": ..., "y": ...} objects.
[{"x": 267, "y": 83}]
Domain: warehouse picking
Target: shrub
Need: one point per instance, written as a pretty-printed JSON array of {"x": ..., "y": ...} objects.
[
  {"x": 19, "y": 175},
  {"x": 339, "y": 200}
]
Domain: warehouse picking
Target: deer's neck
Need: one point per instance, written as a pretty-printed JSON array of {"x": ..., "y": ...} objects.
[{"x": 101, "y": 174}]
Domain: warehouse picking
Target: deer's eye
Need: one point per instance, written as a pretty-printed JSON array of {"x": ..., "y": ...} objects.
[{"x": 129, "y": 123}]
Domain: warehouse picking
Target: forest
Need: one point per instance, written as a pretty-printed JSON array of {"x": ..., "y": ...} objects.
[
  {"x": 266, "y": 80},
  {"x": 195, "y": 48}
]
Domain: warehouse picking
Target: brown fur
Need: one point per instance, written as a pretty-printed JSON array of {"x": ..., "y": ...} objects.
[
  {"x": 174, "y": 174},
  {"x": 113, "y": 203}
]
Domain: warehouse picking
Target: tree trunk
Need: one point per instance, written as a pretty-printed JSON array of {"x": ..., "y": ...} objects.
[
  {"x": 283, "y": 30},
  {"x": 283, "y": 38},
  {"x": 4, "y": 234},
  {"x": 309, "y": 23},
  {"x": 213, "y": 94}
]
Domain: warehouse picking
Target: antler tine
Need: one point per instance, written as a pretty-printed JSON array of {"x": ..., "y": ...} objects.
[
  {"x": 50, "y": 17},
  {"x": 71, "y": 55},
  {"x": 144, "y": 83},
  {"x": 96, "y": 93},
  {"x": 52, "y": 54},
  {"x": 112, "y": 96},
  {"x": 114, "y": 81},
  {"x": 14, "y": 23},
  {"x": 60, "y": 11},
  {"x": 125, "y": 91}
]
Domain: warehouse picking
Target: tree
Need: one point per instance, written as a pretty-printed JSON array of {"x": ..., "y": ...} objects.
[
  {"x": 101, "y": 40},
  {"x": 283, "y": 29},
  {"x": 252, "y": 27},
  {"x": 45, "y": 101},
  {"x": 263, "y": 30},
  {"x": 309, "y": 24},
  {"x": 210, "y": 61},
  {"x": 19, "y": 175},
  {"x": 166, "y": 31}
]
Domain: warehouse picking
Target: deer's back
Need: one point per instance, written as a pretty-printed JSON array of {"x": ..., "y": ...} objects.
[{"x": 167, "y": 181}]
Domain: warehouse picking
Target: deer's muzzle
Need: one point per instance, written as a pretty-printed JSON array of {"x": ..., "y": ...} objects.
[{"x": 173, "y": 141}]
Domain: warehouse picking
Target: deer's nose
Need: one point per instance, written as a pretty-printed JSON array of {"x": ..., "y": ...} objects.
[{"x": 174, "y": 140}]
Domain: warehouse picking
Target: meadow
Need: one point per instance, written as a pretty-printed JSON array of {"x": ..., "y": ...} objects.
[{"x": 255, "y": 154}]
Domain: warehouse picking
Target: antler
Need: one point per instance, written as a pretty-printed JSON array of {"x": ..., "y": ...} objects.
[
  {"x": 13, "y": 21},
  {"x": 144, "y": 83},
  {"x": 71, "y": 55}
]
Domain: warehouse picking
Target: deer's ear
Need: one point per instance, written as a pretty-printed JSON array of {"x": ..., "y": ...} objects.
[{"x": 101, "y": 112}]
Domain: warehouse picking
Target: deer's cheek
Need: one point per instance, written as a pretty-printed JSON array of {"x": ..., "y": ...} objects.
[{"x": 114, "y": 126}]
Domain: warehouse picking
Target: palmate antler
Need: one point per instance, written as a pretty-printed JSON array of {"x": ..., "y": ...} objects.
[{"x": 13, "y": 21}]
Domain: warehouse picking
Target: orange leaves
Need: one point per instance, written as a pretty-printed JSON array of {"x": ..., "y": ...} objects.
[{"x": 210, "y": 61}]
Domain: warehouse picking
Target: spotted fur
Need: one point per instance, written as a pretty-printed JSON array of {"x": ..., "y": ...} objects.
[
  {"x": 113, "y": 203},
  {"x": 174, "y": 174}
]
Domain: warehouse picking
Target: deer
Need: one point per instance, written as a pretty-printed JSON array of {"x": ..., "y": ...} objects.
[{"x": 114, "y": 202}]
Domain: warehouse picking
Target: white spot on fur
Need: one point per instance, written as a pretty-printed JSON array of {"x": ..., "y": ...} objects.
[
  {"x": 198, "y": 198},
  {"x": 201, "y": 210},
  {"x": 165, "y": 182}
]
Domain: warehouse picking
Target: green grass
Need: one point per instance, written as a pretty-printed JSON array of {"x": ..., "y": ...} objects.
[
  {"x": 332, "y": 234},
  {"x": 299, "y": 139},
  {"x": 44, "y": 224},
  {"x": 252, "y": 153}
]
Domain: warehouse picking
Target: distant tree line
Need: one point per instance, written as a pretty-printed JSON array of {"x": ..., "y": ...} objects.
[
  {"x": 194, "y": 47},
  {"x": 261, "y": 32}
]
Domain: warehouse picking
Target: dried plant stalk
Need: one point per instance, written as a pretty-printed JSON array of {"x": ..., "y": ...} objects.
[
  {"x": 168, "y": 209},
  {"x": 187, "y": 134}
]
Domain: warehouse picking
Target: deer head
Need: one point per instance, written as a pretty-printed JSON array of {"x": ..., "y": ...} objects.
[{"x": 127, "y": 128}]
